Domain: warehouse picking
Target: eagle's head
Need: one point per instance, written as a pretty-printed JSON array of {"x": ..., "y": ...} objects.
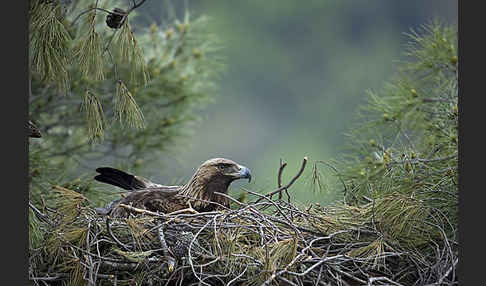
[
  {"x": 215, "y": 175},
  {"x": 222, "y": 169}
]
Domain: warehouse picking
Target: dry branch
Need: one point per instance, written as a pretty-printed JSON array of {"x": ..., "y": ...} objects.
[{"x": 286, "y": 187}]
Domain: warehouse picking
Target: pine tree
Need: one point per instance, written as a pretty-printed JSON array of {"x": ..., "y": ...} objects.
[
  {"x": 402, "y": 169},
  {"x": 103, "y": 86},
  {"x": 407, "y": 144}
]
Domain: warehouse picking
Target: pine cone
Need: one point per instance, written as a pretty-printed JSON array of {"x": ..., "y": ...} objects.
[
  {"x": 114, "y": 19},
  {"x": 32, "y": 130}
]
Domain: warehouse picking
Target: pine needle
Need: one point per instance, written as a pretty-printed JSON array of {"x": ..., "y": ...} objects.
[
  {"x": 49, "y": 45},
  {"x": 77, "y": 275},
  {"x": 375, "y": 252},
  {"x": 126, "y": 109},
  {"x": 133, "y": 256},
  {"x": 127, "y": 50},
  {"x": 88, "y": 52},
  {"x": 94, "y": 116},
  {"x": 35, "y": 232},
  {"x": 68, "y": 203},
  {"x": 76, "y": 235},
  {"x": 402, "y": 218}
]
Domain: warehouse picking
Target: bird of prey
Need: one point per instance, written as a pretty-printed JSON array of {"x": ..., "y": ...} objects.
[{"x": 214, "y": 175}]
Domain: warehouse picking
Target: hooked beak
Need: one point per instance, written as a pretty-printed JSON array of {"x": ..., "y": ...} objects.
[{"x": 244, "y": 173}]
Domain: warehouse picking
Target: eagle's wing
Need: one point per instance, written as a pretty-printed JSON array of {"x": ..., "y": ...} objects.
[
  {"x": 156, "y": 198},
  {"x": 153, "y": 199},
  {"x": 145, "y": 194},
  {"x": 125, "y": 180}
]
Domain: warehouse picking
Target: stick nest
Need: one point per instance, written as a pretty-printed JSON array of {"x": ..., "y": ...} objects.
[{"x": 268, "y": 241}]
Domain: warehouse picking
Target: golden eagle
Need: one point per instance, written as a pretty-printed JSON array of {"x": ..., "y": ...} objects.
[{"x": 214, "y": 175}]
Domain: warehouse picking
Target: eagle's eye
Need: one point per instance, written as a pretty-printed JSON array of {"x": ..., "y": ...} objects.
[{"x": 221, "y": 166}]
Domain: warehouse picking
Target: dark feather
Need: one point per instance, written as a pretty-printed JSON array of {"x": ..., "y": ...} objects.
[{"x": 119, "y": 178}]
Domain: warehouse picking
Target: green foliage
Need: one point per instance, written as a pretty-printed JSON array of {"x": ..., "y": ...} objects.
[
  {"x": 35, "y": 232},
  {"x": 94, "y": 115},
  {"x": 127, "y": 49},
  {"x": 410, "y": 143},
  {"x": 89, "y": 52},
  {"x": 126, "y": 108},
  {"x": 130, "y": 92},
  {"x": 49, "y": 44},
  {"x": 402, "y": 170}
]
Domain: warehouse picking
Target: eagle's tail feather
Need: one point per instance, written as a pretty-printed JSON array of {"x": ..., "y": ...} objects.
[{"x": 118, "y": 178}]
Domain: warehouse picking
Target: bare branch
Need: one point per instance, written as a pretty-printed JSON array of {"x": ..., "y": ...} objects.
[{"x": 304, "y": 162}]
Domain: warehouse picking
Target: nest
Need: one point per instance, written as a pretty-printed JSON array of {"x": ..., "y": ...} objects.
[{"x": 267, "y": 241}]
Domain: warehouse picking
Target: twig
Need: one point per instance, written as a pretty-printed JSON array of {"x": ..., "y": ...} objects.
[
  {"x": 165, "y": 249},
  {"x": 286, "y": 269},
  {"x": 339, "y": 176},
  {"x": 190, "y": 255},
  {"x": 38, "y": 213},
  {"x": 120, "y": 265},
  {"x": 315, "y": 265},
  {"x": 50, "y": 278},
  {"x": 373, "y": 279},
  {"x": 238, "y": 276},
  {"x": 135, "y": 6},
  {"x": 304, "y": 162},
  {"x": 140, "y": 211},
  {"x": 91, "y": 9},
  {"x": 448, "y": 271},
  {"x": 113, "y": 236},
  {"x": 279, "y": 177},
  {"x": 413, "y": 161}
]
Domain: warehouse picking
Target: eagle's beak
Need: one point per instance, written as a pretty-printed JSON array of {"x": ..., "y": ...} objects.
[{"x": 244, "y": 173}]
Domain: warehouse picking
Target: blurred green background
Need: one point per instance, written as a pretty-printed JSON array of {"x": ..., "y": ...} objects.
[{"x": 296, "y": 71}]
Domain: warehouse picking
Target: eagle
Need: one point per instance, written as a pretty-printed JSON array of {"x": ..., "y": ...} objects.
[{"x": 199, "y": 193}]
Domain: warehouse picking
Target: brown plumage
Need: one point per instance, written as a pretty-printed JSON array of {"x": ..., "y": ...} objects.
[{"x": 212, "y": 176}]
